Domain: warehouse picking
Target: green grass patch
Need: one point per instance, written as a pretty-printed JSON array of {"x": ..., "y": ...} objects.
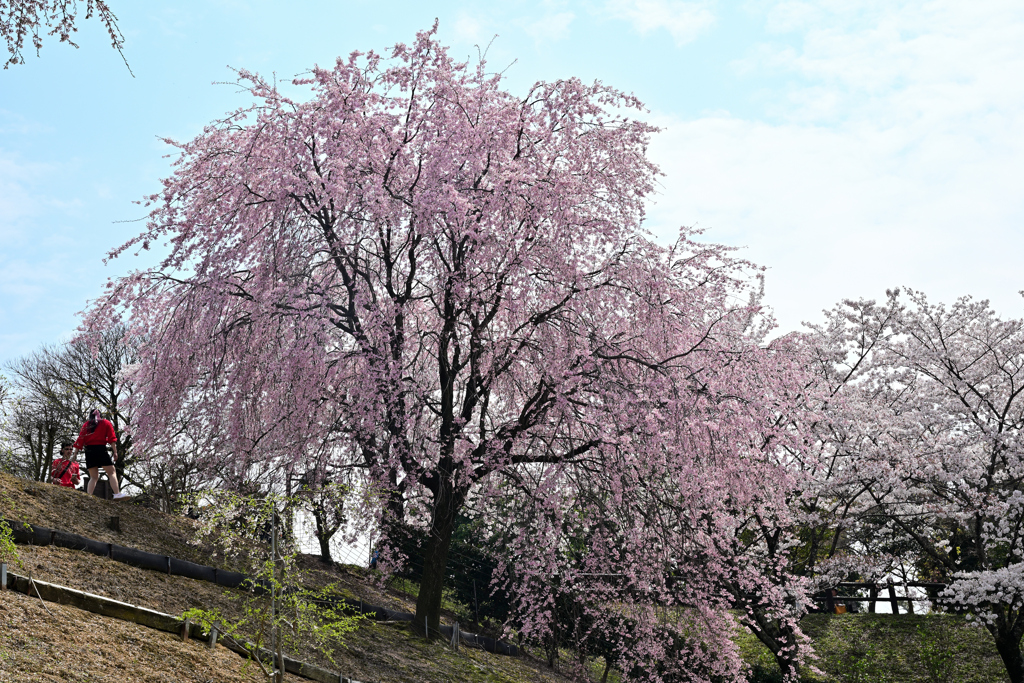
[
  {"x": 449, "y": 603},
  {"x": 881, "y": 648}
]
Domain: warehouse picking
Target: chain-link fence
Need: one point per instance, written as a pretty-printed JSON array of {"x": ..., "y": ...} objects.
[
  {"x": 468, "y": 594},
  {"x": 348, "y": 546}
]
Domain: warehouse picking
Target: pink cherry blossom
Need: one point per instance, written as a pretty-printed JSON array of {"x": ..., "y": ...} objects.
[
  {"x": 419, "y": 276},
  {"x": 20, "y": 19}
]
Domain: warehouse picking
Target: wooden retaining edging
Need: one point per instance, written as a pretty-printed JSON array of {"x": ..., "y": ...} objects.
[
  {"x": 115, "y": 609},
  {"x": 29, "y": 534}
]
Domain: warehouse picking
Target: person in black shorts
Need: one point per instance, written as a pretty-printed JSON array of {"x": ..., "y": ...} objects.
[{"x": 94, "y": 436}]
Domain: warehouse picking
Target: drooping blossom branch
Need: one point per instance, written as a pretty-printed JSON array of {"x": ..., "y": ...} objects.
[
  {"x": 30, "y": 19},
  {"x": 420, "y": 276}
]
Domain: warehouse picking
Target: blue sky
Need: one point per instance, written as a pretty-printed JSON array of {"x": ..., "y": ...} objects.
[{"x": 847, "y": 146}]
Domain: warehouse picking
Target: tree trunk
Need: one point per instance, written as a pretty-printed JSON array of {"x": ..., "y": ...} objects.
[
  {"x": 1008, "y": 646},
  {"x": 122, "y": 455},
  {"x": 447, "y": 502},
  {"x": 396, "y": 501},
  {"x": 323, "y": 534},
  {"x": 393, "y": 532},
  {"x": 779, "y": 640},
  {"x": 325, "y": 550},
  {"x": 552, "y": 648},
  {"x": 788, "y": 665}
]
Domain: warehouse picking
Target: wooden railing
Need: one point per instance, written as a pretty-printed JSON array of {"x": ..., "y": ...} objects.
[{"x": 873, "y": 596}]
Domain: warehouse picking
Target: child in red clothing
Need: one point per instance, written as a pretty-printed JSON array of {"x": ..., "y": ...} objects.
[
  {"x": 64, "y": 470},
  {"x": 94, "y": 436}
]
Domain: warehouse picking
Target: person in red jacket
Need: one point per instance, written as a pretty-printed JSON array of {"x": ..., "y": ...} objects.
[
  {"x": 64, "y": 470},
  {"x": 94, "y": 436}
]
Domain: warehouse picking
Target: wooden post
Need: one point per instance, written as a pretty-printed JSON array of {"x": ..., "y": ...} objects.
[
  {"x": 874, "y": 596},
  {"x": 103, "y": 489},
  {"x": 212, "y": 643},
  {"x": 3, "y": 576},
  {"x": 892, "y": 599},
  {"x": 910, "y": 603},
  {"x": 279, "y": 675},
  {"x": 186, "y": 627}
]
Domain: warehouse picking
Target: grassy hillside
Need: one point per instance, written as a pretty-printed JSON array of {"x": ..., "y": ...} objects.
[
  {"x": 34, "y": 638},
  {"x": 380, "y": 652},
  {"x": 49, "y": 642},
  {"x": 881, "y": 648}
]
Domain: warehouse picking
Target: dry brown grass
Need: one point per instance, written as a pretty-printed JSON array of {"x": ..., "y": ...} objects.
[
  {"x": 70, "y": 510},
  {"x": 61, "y": 643},
  {"x": 142, "y": 587},
  {"x": 156, "y": 532},
  {"x": 109, "y": 650},
  {"x": 388, "y": 653}
]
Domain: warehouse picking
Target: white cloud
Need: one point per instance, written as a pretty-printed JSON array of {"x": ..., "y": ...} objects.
[
  {"x": 545, "y": 23},
  {"x": 12, "y": 123},
  {"x": 18, "y": 199},
  {"x": 551, "y": 27},
  {"x": 173, "y": 21},
  {"x": 45, "y": 252},
  {"x": 792, "y": 15},
  {"x": 470, "y": 29},
  {"x": 685, "y": 21},
  {"x": 895, "y": 157},
  {"x": 15, "y": 201},
  {"x": 892, "y": 62}
]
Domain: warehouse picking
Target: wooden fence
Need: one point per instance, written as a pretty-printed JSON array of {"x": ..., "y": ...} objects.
[{"x": 874, "y": 591}]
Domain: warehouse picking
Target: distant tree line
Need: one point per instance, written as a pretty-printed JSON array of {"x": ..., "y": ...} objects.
[
  {"x": 45, "y": 397},
  {"x": 48, "y": 393}
]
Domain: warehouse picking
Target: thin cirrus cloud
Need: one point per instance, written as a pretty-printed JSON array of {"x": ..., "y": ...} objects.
[
  {"x": 549, "y": 24},
  {"x": 550, "y": 21},
  {"x": 551, "y": 27},
  {"x": 896, "y": 61},
  {"x": 34, "y": 263},
  {"x": 684, "y": 21},
  {"x": 23, "y": 195},
  {"x": 893, "y": 156}
]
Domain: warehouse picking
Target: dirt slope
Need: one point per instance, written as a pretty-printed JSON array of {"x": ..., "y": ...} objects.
[
  {"x": 60, "y": 643},
  {"x": 376, "y": 652}
]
